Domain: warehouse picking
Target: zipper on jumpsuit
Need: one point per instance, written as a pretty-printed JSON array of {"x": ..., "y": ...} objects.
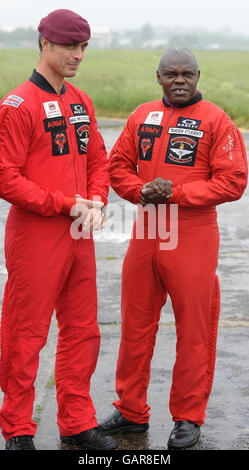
[
  {"x": 166, "y": 125},
  {"x": 160, "y": 148},
  {"x": 71, "y": 141},
  {"x": 72, "y": 146},
  {"x": 156, "y": 313}
]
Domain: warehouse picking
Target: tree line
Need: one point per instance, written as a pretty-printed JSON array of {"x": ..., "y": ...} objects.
[{"x": 146, "y": 36}]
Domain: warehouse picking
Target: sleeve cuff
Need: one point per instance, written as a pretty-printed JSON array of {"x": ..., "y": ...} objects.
[
  {"x": 137, "y": 194},
  {"x": 97, "y": 197},
  {"x": 68, "y": 203},
  {"x": 175, "y": 191}
]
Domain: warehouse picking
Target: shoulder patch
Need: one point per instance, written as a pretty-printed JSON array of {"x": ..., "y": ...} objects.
[{"x": 13, "y": 100}]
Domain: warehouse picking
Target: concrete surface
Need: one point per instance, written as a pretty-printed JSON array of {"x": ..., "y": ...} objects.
[{"x": 227, "y": 422}]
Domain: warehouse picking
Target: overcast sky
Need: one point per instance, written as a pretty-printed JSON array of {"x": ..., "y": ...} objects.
[{"x": 128, "y": 14}]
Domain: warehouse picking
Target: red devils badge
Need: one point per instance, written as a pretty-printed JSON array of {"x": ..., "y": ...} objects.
[
  {"x": 145, "y": 146},
  {"x": 148, "y": 133},
  {"x": 57, "y": 128},
  {"x": 60, "y": 140}
]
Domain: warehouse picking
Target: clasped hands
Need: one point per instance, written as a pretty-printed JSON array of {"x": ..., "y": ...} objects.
[
  {"x": 91, "y": 213},
  {"x": 156, "y": 191}
]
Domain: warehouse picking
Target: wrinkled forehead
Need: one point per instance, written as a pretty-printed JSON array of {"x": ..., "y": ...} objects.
[{"x": 178, "y": 60}]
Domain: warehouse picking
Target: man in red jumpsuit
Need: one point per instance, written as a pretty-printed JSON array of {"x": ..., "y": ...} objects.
[
  {"x": 179, "y": 153},
  {"x": 51, "y": 152}
]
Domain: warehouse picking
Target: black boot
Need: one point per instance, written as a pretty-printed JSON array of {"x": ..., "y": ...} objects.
[
  {"x": 20, "y": 443},
  {"x": 91, "y": 439},
  {"x": 117, "y": 423}
]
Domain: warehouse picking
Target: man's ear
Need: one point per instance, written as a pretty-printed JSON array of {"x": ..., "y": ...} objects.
[
  {"x": 45, "y": 43},
  {"x": 158, "y": 77}
]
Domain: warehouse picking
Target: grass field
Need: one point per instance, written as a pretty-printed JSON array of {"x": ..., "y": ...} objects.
[{"x": 118, "y": 80}]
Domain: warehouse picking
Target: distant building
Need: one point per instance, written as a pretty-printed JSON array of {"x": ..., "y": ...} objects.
[
  {"x": 155, "y": 44},
  {"x": 213, "y": 46},
  {"x": 100, "y": 37},
  {"x": 7, "y": 28},
  {"x": 125, "y": 42}
]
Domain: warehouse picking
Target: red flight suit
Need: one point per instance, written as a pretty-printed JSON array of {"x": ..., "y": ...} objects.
[
  {"x": 200, "y": 150},
  {"x": 50, "y": 150}
]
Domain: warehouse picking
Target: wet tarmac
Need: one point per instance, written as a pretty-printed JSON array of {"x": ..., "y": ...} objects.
[{"x": 227, "y": 422}]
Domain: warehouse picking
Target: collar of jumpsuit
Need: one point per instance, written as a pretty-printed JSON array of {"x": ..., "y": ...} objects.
[{"x": 42, "y": 83}]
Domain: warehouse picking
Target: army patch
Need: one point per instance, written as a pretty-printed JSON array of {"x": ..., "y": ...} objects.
[
  {"x": 147, "y": 133},
  {"x": 57, "y": 128}
]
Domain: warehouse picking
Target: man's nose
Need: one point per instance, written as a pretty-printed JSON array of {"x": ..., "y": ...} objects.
[
  {"x": 78, "y": 53},
  {"x": 179, "y": 78}
]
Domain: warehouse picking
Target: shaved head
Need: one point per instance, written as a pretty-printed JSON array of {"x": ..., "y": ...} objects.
[{"x": 177, "y": 54}]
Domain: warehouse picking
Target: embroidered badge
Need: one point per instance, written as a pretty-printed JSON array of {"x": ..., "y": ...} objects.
[
  {"x": 154, "y": 117},
  {"x": 147, "y": 133},
  {"x": 81, "y": 122},
  {"x": 145, "y": 148},
  {"x": 57, "y": 128},
  {"x": 181, "y": 150},
  {"x": 76, "y": 119},
  {"x": 82, "y": 135},
  {"x": 52, "y": 109},
  {"x": 78, "y": 109},
  {"x": 188, "y": 123},
  {"x": 13, "y": 100},
  {"x": 183, "y": 142},
  {"x": 150, "y": 129}
]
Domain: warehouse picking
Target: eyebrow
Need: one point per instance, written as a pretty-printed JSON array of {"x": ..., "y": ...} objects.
[{"x": 85, "y": 44}]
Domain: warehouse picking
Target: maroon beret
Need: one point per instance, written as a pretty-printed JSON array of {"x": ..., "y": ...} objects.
[{"x": 64, "y": 27}]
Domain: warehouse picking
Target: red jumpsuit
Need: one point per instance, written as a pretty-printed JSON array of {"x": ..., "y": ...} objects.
[
  {"x": 50, "y": 150},
  {"x": 199, "y": 149}
]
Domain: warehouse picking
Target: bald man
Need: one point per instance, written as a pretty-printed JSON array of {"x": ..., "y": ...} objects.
[{"x": 177, "y": 158}]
